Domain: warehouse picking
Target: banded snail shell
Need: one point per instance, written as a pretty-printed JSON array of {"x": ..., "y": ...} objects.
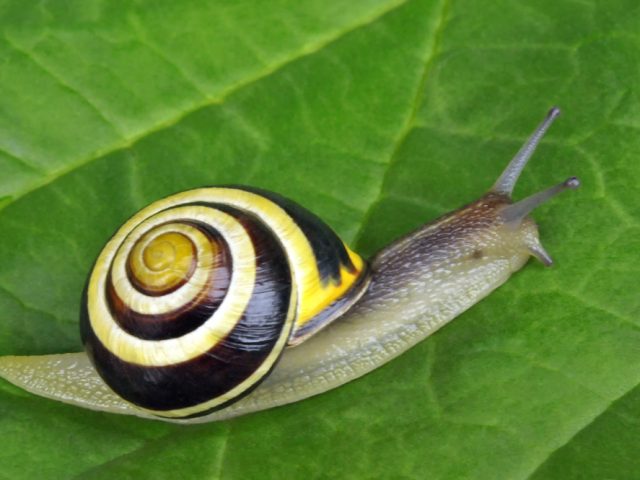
[{"x": 193, "y": 300}]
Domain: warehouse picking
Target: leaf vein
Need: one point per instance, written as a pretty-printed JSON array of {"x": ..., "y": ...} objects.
[
  {"x": 411, "y": 119},
  {"x": 142, "y": 38},
  {"x": 21, "y": 161},
  {"x": 66, "y": 85},
  {"x": 590, "y": 422},
  {"x": 28, "y": 307},
  {"x": 305, "y": 51}
]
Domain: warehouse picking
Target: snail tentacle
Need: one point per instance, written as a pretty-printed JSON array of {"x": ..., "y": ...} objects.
[{"x": 509, "y": 177}]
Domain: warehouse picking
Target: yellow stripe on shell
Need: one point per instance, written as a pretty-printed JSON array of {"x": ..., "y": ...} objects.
[
  {"x": 197, "y": 342},
  {"x": 313, "y": 296},
  {"x": 320, "y": 296},
  {"x": 259, "y": 373},
  {"x": 161, "y": 262},
  {"x": 189, "y": 292}
]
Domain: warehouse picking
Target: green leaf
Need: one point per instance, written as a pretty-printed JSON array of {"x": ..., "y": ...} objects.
[{"x": 378, "y": 115}]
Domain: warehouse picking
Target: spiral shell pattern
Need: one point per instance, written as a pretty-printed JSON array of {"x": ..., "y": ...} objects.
[{"x": 192, "y": 301}]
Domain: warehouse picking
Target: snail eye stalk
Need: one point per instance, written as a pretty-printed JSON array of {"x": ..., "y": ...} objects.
[
  {"x": 515, "y": 212},
  {"x": 509, "y": 177}
]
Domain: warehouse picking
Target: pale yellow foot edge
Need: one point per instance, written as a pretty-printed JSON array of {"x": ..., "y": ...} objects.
[{"x": 68, "y": 378}]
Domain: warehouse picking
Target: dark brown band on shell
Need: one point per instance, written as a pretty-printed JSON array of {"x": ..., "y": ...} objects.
[
  {"x": 230, "y": 361},
  {"x": 187, "y": 317}
]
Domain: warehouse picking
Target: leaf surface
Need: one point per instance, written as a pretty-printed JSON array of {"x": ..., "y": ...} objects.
[{"x": 377, "y": 115}]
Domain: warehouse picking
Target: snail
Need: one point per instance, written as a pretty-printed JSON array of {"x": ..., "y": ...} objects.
[{"x": 220, "y": 301}]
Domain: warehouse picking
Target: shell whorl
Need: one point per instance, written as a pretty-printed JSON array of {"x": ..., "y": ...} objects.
[{"x": 192, "y": 301}]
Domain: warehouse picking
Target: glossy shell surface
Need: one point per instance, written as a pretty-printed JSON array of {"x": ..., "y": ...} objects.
[{"x": 193, "y": 300}]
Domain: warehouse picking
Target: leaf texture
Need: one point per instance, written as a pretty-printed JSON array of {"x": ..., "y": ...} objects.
[{"x": 377, "y": 115}]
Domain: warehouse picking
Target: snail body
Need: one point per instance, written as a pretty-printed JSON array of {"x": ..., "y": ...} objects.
[{"x": 346, "y": 320}]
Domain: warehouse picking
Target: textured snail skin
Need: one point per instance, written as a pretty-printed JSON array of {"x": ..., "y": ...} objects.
[{"x": 418, "y": 284}]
